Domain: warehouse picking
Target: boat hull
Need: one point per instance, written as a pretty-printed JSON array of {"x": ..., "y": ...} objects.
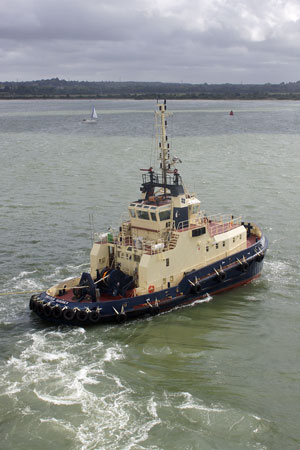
[{"x": 228, "y": 273}]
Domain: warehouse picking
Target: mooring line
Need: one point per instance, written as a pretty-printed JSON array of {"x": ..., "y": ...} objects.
[{"x": 20, "y": 293}]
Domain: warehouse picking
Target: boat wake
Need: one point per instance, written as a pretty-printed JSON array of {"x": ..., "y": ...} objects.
[{"x": 68, "y": 373}]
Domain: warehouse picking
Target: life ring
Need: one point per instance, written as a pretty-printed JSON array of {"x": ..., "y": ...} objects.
[
  {"x": 69, "y": 314},
  {"x": 151, "y": 289}
]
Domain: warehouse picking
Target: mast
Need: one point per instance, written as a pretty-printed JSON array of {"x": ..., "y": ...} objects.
[
  {"x": 164, "y": 147},
  {"x": 169, "y": 180}
]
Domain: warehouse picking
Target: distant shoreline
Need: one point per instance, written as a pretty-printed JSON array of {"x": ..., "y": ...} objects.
[
  {"x": 161, "y": 96},
  {"x": 56, "y": 89}
]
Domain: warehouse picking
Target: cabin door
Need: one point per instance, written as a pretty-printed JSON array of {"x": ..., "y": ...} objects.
[{"x": 181, "y": 217}]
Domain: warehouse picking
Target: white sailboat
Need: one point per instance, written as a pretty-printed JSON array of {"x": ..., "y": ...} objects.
[{"x": 93, "y": 118}]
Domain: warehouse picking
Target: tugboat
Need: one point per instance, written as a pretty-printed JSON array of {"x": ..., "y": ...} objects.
[{"x": 166, "y": 254}]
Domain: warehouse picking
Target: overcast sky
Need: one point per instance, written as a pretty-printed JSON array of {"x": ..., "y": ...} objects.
[{"x": 192, "y": 41}]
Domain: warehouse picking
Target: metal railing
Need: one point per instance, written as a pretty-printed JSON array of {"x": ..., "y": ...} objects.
[{"x": 220, "y": 223}]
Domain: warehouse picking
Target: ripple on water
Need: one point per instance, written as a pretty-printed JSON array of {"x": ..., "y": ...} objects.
[{"x": 57, "y": 394}]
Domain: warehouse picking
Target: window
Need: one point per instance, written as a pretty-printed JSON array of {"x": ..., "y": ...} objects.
[
  {"x": 165, "y": 215},
  {"x": 136, "y": 258},
  {"x": 132, "y": 212},
  {"x": 198, "y": 231},
  {"x": 167, "y": 262},
  {"x": 195, "y": 209},
  {"x": 223, "y": 243},
  {"x": 217, "y": 246},
  {"x": 207, "y": 249},
  {"x": 153, "y": 216},
  {"x": 143, "y": 214}
]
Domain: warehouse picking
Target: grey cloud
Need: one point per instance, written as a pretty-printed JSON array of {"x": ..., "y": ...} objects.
[{"x": 143, "y": 40}]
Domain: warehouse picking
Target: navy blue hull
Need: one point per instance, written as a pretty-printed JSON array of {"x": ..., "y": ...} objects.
[{"x": 225, "y": 274}]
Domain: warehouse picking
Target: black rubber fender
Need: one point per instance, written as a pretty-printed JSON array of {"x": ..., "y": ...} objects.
[
  {"x": 39, "y": 308},
  {"x": 120, "y": 318},
  {"x": 260, "y": 257},
  {"x": 81, "y": 315},
  {"x": 94, "y": 316},
  {"x": 56, "y": 312},
  {"x": 244, "y": 266},
  {"x": 69, "y": 314},
  {"x": 31, "y": 302},
  {"x": 47, "y": 311},
  {"x": 154, "y": 310}
]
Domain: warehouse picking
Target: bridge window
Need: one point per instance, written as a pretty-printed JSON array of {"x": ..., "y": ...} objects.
[
  {"x": 132, "y": 212},
  {"x": 165, "y": 215},
  {"x": 195, "y": 209},
  {"x": 143, "y": 214},
  {"x": 153, "y": 216}
]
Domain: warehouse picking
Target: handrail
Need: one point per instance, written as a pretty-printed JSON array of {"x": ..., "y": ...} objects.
[
  {"x": 216, "y": 224},
  {"x": 222, "y": 225}
]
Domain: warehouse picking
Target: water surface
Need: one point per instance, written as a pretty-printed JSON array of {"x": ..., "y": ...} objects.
[{"x": 218, "y": 375}]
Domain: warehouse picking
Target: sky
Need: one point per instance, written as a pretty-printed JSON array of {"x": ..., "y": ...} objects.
[{"x": 189, "y": 41}]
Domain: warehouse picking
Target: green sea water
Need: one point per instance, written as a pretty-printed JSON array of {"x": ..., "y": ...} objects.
[{"x": 222, "y": 374}]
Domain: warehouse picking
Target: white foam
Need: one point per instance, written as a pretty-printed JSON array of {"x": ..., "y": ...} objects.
[
  {"x": 113, "y": 354},
  {"x": 57, "y": 400},
  {"x": 60, "y": 424},
  {"x": 23, "y": 275},
  {"x": 190, "y": 402}
]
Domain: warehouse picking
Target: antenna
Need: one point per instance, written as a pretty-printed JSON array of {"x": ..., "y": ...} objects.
[
  {"x": 163, "y": 144},
  {"x": 92, "y": 227}
]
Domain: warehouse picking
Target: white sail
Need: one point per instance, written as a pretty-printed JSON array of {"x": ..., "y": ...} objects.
[{"x": 94, "y": 113}]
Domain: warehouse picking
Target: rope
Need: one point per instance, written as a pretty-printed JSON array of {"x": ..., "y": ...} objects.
[{"x": 20, "y": 293}]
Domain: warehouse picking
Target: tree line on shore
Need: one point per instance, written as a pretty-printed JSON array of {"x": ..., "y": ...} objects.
[{"x": 56, "y": 88}]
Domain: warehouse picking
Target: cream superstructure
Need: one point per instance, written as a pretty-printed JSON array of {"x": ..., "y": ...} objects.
[{"x": 166, "y": 234}]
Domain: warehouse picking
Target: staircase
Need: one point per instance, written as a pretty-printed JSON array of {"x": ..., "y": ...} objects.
[
  {"x": 173, "y": 240},
  {"x": 125, "y": 227}
]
